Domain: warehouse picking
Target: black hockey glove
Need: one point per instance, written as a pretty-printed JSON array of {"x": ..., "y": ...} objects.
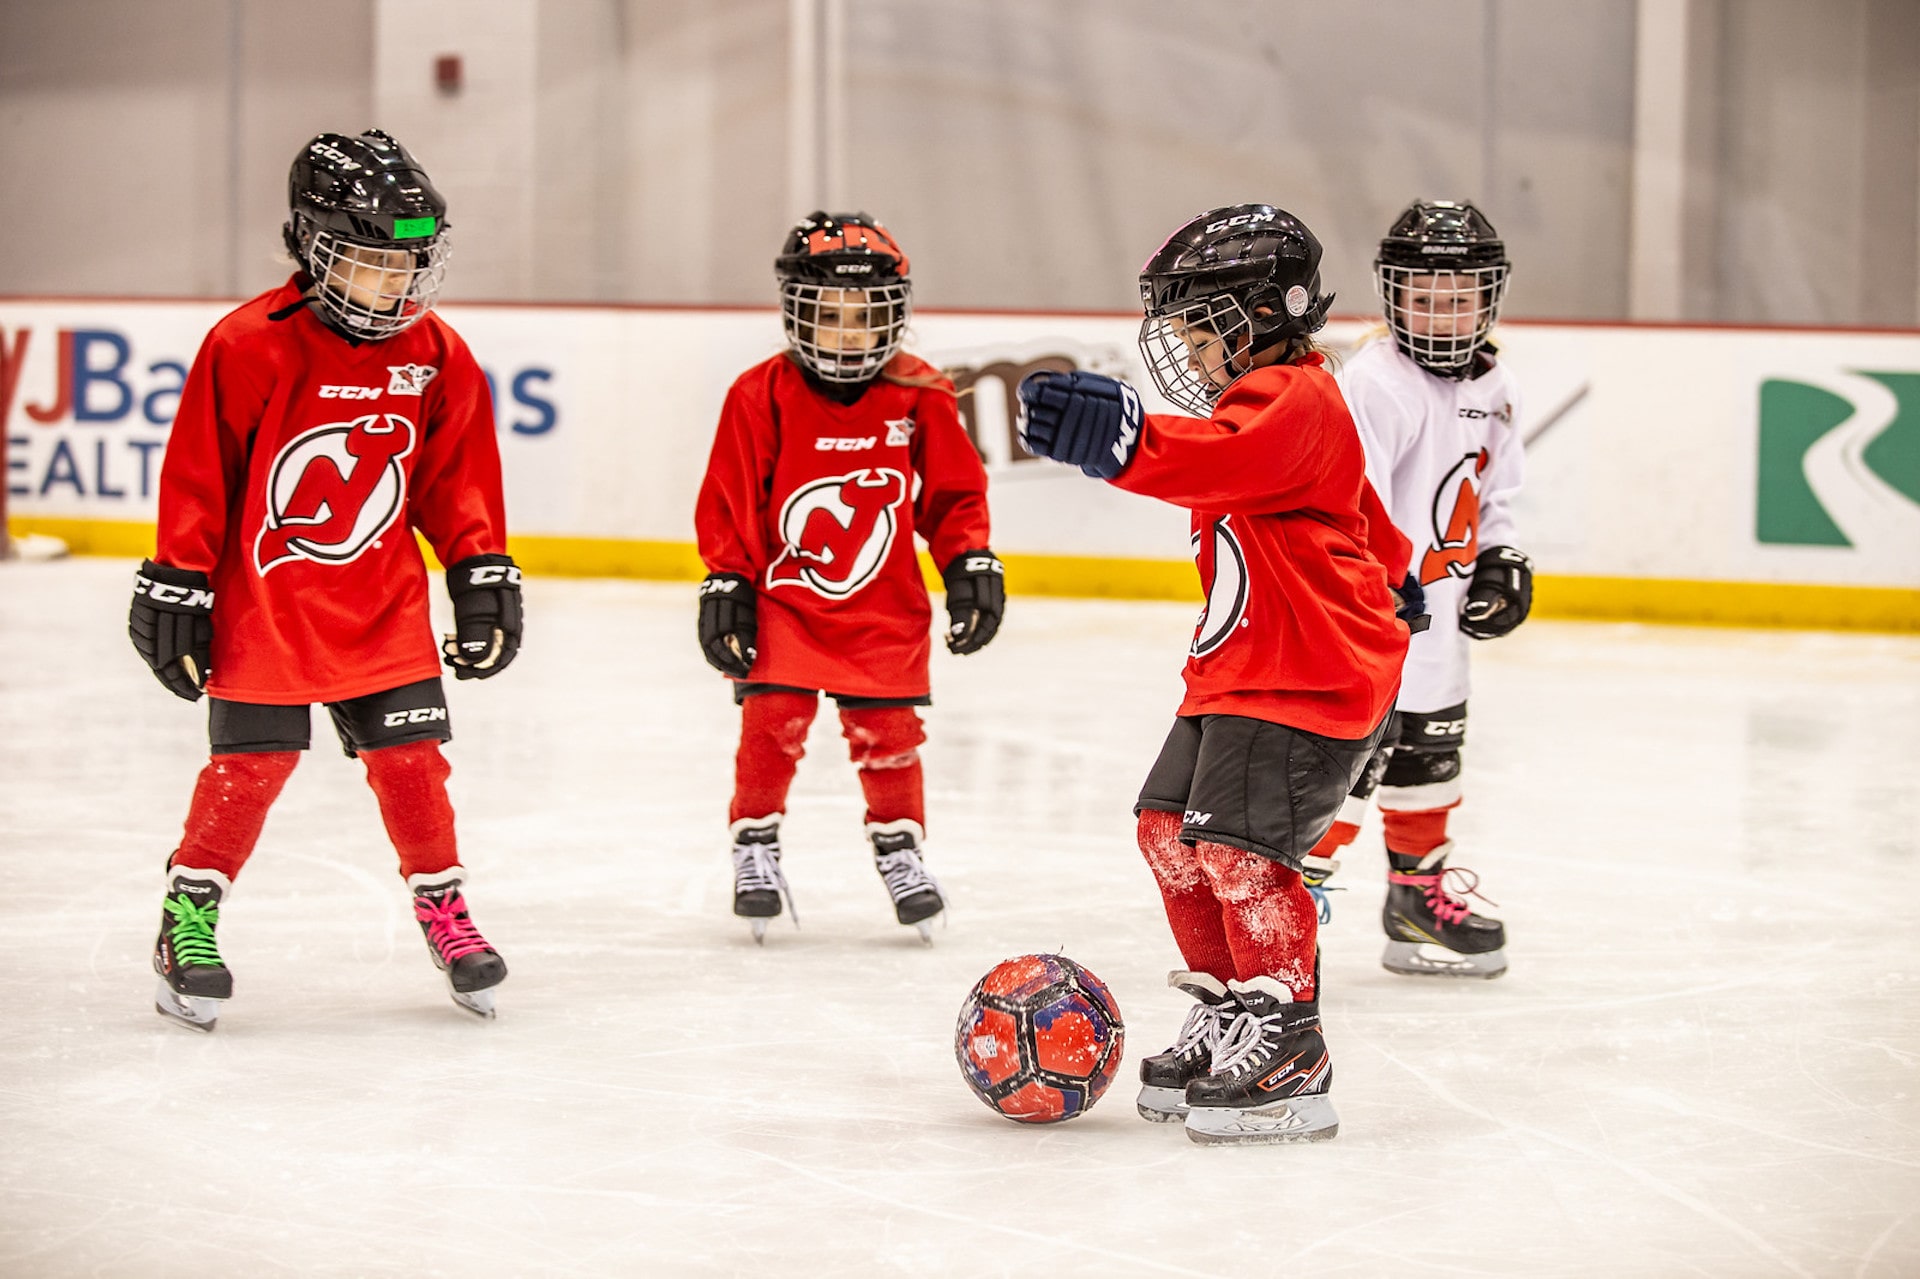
[
  {"x": 171, "y": 625},
  {"x": 1410, "y": 605},
  {"x": 1082, "y": 419},
  {"x": 976, "y": 600},
  {"x": 727, "y": 624},
  {"x": 1501, "y": 593},
  {"x": 486, "y": 616}
]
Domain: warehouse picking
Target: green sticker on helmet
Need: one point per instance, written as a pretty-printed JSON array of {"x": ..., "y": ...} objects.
[{"x": 412, "y": 228}]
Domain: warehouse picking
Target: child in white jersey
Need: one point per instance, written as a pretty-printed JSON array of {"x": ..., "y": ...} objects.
[{"x": 1436, "y": 413}]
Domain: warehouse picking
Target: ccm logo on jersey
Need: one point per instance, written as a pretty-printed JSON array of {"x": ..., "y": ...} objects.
[
  {"x": 163, "y": 593},
  {"x": 844, "y": 443},
  {"x": 409, "y": 379},
  {"x": 350, "y": 392},
  {"x": 1504, "y": 413},
  {"x": 418, "y": 715}
]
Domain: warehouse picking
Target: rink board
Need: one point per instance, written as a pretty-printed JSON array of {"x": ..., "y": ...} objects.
[{"x": 1762, "y": 477}]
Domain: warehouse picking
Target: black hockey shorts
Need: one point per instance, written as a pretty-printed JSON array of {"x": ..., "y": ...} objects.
[
  {"x": 744, "y": 689},
  {"x": 1252, "y": 784},
  {"x": 410, "y": 713}
]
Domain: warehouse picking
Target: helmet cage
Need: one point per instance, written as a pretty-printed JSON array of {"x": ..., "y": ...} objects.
[
  {"x": 1470, "y": 296},
  {"x": 1191, "y": 375},
  {"x": 356, "y": 288},
  {"x": 870, "y": 324}
]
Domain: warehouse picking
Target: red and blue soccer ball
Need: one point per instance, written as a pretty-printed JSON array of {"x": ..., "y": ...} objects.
[{"x": 1039, "y": 1039}]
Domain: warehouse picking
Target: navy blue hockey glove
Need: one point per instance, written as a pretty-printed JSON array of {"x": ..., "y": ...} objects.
[
  {"x": 1410, "y": 605},
  {"x": 1501, "y": 594},
  {"x": 1082, "y": 419},
  {"x": 976, "y": 600},
  {"x": 486, "y": 616},
  {"x": 171, "y": 626},
  {"x": 728, "y": 626}
]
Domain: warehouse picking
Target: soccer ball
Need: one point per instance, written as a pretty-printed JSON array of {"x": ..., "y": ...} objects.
[{"x": 1039, "y": 1039}]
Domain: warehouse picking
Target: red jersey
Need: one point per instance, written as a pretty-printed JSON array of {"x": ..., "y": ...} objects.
[
  {"x": 297, "y": 468},
  {"x": 1295, "y": 554},
  {"x": 817, "y": 503}
]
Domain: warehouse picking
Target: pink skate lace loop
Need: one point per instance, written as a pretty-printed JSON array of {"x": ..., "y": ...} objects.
[
  {"x": 449, "y": 930},
  {"x": 1441, "y": 888}
]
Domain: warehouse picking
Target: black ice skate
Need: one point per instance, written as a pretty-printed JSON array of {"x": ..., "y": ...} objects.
[
  {"x": 473, "y": 968},
  {"x": 758, "y": 881},
  {"x": 1270, "y": 1073},
  {"x": 1431, "y": 932},
  {"x": 193, "y": 980},
  {"x": 897, "y": 848},
  {"x": 1164, "y": 1076}
]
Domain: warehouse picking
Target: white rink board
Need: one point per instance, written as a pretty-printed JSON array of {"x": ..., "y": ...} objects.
[{"x": 1646, "y": 459}]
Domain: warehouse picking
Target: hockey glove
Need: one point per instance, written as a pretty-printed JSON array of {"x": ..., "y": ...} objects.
[
  {"x": 976, "y": 600},
  {"x": 1501, "y": 593},
  {"x": 171, "y": 625},
  {"x": 727, "y": 624},
  {"x": 1410, "y": 605},
  {"x": 1082, "y": 419},
  {"x": 486, "y": 616}
]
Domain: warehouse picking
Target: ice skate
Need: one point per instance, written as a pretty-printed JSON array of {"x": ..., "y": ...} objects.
[
  {"x": 1433, "y": 933},
  {"x": 758, "y": 881},
  {"x": 1270, "y": 1073},
  {"x": 473, "y": 968},
  {"x": 1164, "y": 1076},
  {"x": 194, "y": 982},
  {"x": 897, "y": 848}
]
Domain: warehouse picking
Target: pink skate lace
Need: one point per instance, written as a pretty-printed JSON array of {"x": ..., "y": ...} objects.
[
  {"x": 449, "y": 931},
  {"x": 1446, "y": 907}
]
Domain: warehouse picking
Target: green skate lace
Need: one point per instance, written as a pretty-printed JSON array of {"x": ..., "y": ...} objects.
[{"x": 192, "y": 931}]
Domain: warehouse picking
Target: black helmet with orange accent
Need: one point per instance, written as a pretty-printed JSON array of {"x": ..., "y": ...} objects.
[
  {"x": 1228, "y": 285},
  {"x": 1441, "y": 275},
  {"x": 369, "y": 227},
  {"x": 844, "y": 295}
]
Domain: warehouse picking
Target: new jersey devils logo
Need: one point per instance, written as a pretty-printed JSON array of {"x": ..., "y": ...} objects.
[
  {"x": 1223, "y": 571},
  {"x": 1456, "y": 536},
  {"x": 333, "y": 490},
  {"x": 838, "y": 531}
]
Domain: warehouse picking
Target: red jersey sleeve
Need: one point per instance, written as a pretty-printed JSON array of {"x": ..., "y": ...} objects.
[
  {"x": 1263, "y": 451},
  {"x": 457, "y": 502},
  {"x": 728, "y": 513},
  {"x": 205, "y": 465},
  {"x": 951, "y": 508}
]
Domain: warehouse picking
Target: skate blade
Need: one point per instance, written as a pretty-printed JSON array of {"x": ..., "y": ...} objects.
[
  {"x": 925, "y": 929},
  {"x": 195, "y": 1012},
  {"x": 1423, "y": 959},
  {"x": 759, "y": 931},
  {"x": 1296, "y": 1119},
  {"x": 1161, "y": 1105},
  {"x": 477, "y": 1002}
]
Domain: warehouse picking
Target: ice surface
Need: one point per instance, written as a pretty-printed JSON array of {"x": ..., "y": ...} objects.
[{"x": 1703, "y": 1061}]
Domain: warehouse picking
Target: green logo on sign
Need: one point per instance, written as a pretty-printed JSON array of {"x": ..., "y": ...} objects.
[
  {"x": 412, "y": 228},
  {"x": 1800, "y": 486}
]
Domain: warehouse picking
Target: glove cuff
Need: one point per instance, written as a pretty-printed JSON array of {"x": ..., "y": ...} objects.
[
  {"x": 482, "y": 573},
  {"x": 736, "y": 585},
  {"x": 972, "y": 564},
  {"x": 177, "y": 590}
]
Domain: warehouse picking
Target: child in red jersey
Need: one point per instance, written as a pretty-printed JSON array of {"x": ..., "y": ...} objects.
[
  {"x": 321, "y": 425},
  {"x": 829, "y": 458},
  {"x": 1293, "y": 667}
]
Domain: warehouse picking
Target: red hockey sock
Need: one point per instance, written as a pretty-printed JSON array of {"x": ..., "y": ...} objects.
[
  {"x": 230, "y": 803},
  {"x": 410, "y": 781},
  {"x": 773, "y": 737},
  {"x": 1415, "y": 833},
  {"x": 1193, "y": 912},
  {"x": 1270, "y": 917},
  {"x": 884, "y": 744},
  {"x": 1338, "y": 836}
]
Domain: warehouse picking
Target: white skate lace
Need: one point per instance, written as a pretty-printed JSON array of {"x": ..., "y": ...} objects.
[
  {"x": 1204, "y": 1026},
  {"x": 1244, "y": 1040},
  {"x": 756, "y": 868},
  {"x": 906, "y": 874}
]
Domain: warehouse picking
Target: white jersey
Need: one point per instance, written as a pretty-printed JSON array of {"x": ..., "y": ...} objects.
[{"x": 1445, "y": 458}]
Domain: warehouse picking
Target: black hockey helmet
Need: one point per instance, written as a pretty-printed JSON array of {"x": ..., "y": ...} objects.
[
  {"x": 1246, "y": 273},
  {"x": 1441, "y": 275},
  {"x": 853, "y": 267},
  {"x": 354, "y": 202}
]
